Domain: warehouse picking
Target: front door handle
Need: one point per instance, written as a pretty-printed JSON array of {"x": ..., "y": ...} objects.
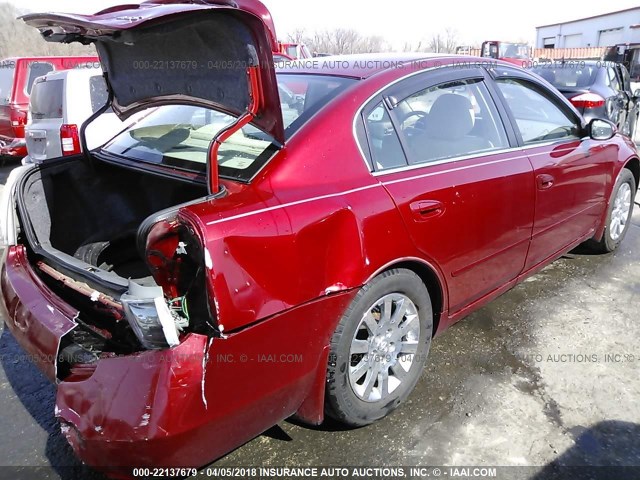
[
  {"x": 423, "y": 209},
  {"x": 545, "y": 181}
]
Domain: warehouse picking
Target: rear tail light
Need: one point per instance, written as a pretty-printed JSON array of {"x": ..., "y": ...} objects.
[
  {"x": 70, "y": 140},
  {"x": 587, "y": 100},
  {"x": 18, "y": 121}
]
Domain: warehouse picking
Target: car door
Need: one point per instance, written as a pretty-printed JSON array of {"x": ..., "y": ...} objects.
[
  {"x": 571, "y": 172},
  {"x": 439, "y": 147},
  {"x": 631, "y": 107},
  {"x": 618, "y": 104}
]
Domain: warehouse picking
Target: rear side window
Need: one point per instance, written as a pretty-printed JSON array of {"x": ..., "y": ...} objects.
[
  {"x": 98, "y": 92},
  {"x": 538, "y": 118},
  {"x": 7, "y": 69},
  {"x": 385, "y": 147},
  {"x": 303, "y": 95},
  {"x": 36, "y": 69},
  {"x": 46, "y": 99}
]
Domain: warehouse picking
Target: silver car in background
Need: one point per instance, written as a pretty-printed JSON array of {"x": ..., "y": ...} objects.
[{"x": 59, "y": 105}]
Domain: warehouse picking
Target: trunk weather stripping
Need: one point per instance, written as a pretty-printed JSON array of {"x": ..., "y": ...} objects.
[{"x": 252, "y": 110}]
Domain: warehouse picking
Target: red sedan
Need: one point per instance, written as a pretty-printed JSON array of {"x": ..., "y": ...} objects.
[{"x": 241, "y": 255}]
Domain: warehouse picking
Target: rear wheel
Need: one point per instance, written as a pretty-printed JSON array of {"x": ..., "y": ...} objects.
[
  {"x": 618, "y": 214},
  {"x": 379, "y": 348}
]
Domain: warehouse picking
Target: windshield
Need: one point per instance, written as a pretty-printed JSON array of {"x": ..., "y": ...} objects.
[
  {"x": 571, "y": 75},
  {"x": 179, "y": 136},
  {"x": 514, "y": 50},
  {"x": 36, "y": 69},
  {"x": 7, "y": 68}
]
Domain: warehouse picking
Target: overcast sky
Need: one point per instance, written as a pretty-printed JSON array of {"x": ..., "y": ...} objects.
[{"x": 400, "y": 21}]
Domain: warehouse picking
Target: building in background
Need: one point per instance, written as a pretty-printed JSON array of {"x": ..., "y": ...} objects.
[{"x": 609, "y": 29}]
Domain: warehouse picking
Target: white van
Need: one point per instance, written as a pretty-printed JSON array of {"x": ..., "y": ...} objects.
[{"x": 60, "y": 102}]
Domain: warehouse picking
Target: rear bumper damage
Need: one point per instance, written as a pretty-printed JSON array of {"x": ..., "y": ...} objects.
[{"x": 184, "y": 406}]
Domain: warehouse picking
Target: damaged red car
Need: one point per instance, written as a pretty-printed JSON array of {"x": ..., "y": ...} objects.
[{"x": 243, "y": 253}]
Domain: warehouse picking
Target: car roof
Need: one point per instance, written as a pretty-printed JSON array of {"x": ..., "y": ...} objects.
[{"x": 364, "y": 65}]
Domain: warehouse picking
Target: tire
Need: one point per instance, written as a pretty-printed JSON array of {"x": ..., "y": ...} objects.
[
  {"x": 356, "y": 393},
  {"x": 618, "y": 214}
]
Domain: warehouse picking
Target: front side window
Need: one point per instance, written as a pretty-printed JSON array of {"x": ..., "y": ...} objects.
[
  {"x": 179, "y": 135},
  {"x": 450, "y": 120},
  {"x": 538, "y": 118},
  {"x": 613, "y": 79},
  {"x": 36, "y": 69},
  {"x": 625, "y": 77},
  {"x": 514, "y": 50},
  {"x": 7, "y": 70}
]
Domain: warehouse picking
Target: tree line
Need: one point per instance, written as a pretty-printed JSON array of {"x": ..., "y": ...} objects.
[
  {"x": 18, "y": 40},
  {"x": 342, "y": 41}
]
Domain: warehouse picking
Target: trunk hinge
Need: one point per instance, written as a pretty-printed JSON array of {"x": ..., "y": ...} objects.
[
  {"x": 255, "y": 94},
  {"x": 96, "y": 114}
]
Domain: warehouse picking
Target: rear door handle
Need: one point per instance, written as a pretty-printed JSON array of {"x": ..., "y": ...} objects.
[
  {"x": 545, "y": 181},
  {"x": 423, "y": 209}
]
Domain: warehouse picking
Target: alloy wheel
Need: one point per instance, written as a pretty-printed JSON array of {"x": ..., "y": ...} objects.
[
  {"x": 620, "y": 212},
  {"x": 383, "y": 348}
]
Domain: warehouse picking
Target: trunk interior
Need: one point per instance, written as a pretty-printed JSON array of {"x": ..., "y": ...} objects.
[{"x": 93, "y": 211}]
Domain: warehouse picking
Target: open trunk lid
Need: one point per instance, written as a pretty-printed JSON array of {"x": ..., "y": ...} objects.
[{"x": 211, "y": 53}]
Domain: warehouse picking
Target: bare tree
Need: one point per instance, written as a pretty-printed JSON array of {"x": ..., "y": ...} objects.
[
  {"x": 339, "y": 41},
  {"x": 297, "y": 36},
  {"x": 443, "y": 42}
]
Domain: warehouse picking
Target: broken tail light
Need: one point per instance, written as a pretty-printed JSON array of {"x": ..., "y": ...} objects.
[
  {"x": 70, "y": 140},
  {"x": 149, "y": 316},
  {"x": 175, "y": 256}
]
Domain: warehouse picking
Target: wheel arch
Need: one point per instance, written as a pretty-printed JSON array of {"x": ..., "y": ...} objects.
[
  {"x": 634, "y": 166},
  {"x": 431, "y": 278}
]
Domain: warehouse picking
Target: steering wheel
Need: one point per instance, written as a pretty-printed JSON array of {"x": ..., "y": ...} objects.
[{"x": 414, "y": 113}]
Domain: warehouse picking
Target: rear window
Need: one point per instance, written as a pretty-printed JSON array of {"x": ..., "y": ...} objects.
[
  {"x": 179, "y": 136},
  {"x": 98, "y": 92},
  {"x": 7, "y": 69},
  {"x": 36, "y": 69},
  {"x": 571, "y": 75},
  {"x": 46, "y": 99}
]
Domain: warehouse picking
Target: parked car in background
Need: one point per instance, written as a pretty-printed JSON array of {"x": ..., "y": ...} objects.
[
  {"x": 515, "y": 53},
  {"x": 17, "y": 76},
  {"x": 187, "y": 287},
  {"x": 298, "y": 51},
  {"x": 597, "y": 90},
  {"x": 60, "y": 103}
]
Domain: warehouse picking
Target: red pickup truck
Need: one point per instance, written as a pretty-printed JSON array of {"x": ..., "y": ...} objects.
[{"x": 16, "y": 79}]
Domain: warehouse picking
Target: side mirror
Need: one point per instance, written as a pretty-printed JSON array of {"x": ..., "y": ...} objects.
[
  {"x": 601, "y": 130},
  {"x": 636, "y": 95}
]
